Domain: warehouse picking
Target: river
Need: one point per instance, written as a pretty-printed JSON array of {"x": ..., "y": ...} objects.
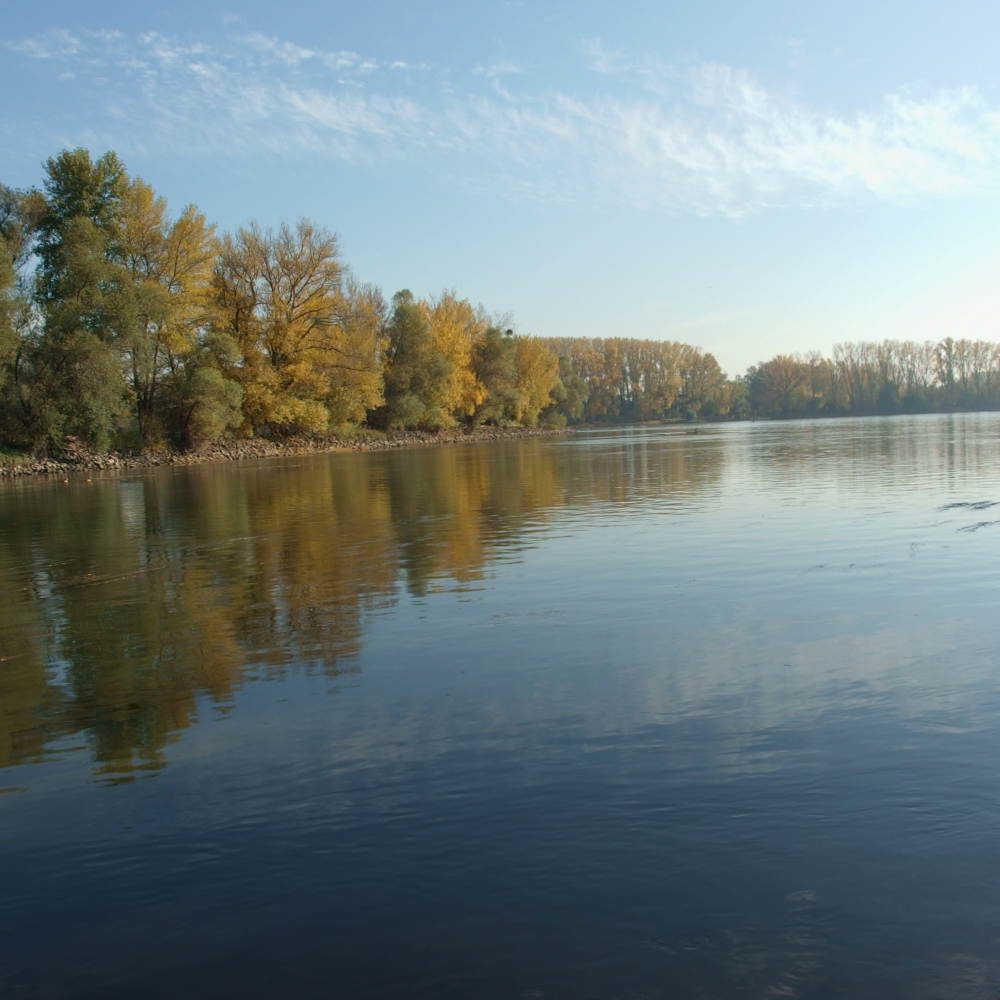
[{"x": 643, "y": 712}]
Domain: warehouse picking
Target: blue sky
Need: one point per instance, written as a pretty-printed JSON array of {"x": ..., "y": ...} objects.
[{"x": 748, "y": 177}]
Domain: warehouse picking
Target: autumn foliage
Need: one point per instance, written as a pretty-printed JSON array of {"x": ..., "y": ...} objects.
[{"x": 122, "y": 325}]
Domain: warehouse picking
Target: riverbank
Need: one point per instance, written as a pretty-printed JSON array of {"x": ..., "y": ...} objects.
[{"x": 235, "y": 450}]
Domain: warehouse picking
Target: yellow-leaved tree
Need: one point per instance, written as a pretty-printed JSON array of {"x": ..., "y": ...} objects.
[
  {"x": 455, "y": 326},
  {"x": 352, "y": 348},
  {"x": 170, "y": 263},
  {"x": 308, "y": 338},
  {"x": 537, "y": 369}
]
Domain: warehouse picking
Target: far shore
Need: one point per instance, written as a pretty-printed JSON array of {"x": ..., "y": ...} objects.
[
  {"x": 240, "y": 449},
  {"x": 15, "y": 466}
]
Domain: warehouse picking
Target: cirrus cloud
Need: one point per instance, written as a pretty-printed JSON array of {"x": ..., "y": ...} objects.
[{"x": 707, "y": 139}]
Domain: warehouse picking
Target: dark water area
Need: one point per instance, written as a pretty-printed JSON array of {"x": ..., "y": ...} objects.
[{"x": 637, "y": 713}]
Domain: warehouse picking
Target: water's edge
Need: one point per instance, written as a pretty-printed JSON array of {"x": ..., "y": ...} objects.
[{"x": 238, "y": 450}]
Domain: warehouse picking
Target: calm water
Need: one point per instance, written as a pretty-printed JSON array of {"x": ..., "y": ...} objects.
[{"x": 638, "y": 713}]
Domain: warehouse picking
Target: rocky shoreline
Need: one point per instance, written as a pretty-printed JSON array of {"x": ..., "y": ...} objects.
[{"x": 236, "y": 450}]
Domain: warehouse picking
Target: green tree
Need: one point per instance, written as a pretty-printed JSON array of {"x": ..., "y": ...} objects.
[
  {"x": 75, "y": 385},
  {"x": 19, "y": 318},
  {"x": 494, "y": 358},
  {"x": 200, "y": 395},
  {"x": 76, "y": 188},
  {"x": 417, "y": 375},
  {"x": 62, "y": 366}
]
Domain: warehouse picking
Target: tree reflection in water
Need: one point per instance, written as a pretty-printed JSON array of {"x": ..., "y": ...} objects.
[{"x": 132, "y": 602}]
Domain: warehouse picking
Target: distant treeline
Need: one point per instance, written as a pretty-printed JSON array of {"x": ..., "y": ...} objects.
[
  {"x": 121, "y": 326},
  {"x": 891, "y": 376},
  {"x": 623, "y": 379}
]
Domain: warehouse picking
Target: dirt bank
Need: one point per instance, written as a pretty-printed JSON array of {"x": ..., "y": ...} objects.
[{"x": 239, "y": 449}]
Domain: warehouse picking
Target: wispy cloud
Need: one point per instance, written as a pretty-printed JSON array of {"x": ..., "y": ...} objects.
[
  {"x": 705, "y": 139},
  {"x": 729, "y": 145},
  {"x": 602, "y": 59},
  {"x": 54, "y": 44}
]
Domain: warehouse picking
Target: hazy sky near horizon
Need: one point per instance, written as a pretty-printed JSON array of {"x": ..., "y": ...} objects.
[{"x": 753, "y": 178}]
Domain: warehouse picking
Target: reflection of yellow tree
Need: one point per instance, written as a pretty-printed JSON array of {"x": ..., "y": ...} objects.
[
  {"x": 452, "y": 508},
  {"x": 318, "y": 555},
  {"x": 185, "y": 585},
  {"x": 158, "y": 603}
]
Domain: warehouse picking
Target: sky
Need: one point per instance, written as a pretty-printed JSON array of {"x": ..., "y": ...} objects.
[{"x": 752, "y": 178}]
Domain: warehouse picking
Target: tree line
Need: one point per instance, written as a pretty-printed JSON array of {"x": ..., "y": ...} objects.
[
  {"x": 621, "y": 379},
  {"x": 124, "y": 326},
  {"x": 121, "y": 325},
  {"x": 889, "y": 376}
]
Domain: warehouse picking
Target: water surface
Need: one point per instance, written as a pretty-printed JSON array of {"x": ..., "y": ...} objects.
[{"x": 636, "y": 713}]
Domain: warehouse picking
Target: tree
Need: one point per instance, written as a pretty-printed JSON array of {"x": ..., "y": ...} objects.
[
  {"x": 779, "y": 386},
  {"x": 455, "y": 326},
  {"x": 76, "y": 188},
  {"x": 71, "y": 382},
  {"x": 19, "y": 213},
  {"x": 61, "y": 358},
  {"x": 170, "y": 265},
  {"x": 568, "y": 397},
  {"x": 351, "y": 360},
  {"x": 417, "y": 375},
  {"x": 74, "y": 384},
  {"x": 277, "y": 294},
  {"x": 202, "y": 399},
  {"x": 494, "y": 364},
  {"x": 537, "y": 372}
]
